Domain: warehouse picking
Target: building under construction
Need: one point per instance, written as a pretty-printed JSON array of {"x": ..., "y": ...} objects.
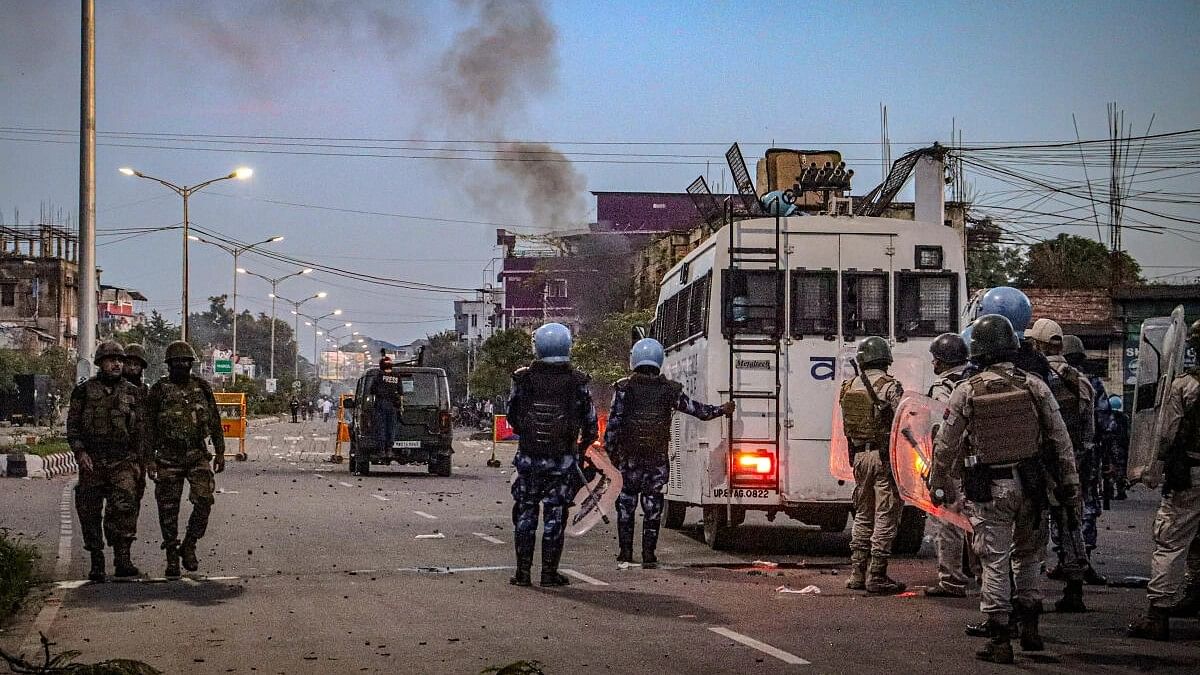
[{"x": 38, "y": 285}]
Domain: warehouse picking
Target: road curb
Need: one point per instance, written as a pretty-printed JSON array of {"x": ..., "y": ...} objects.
[{"x": 25, "y": 465}]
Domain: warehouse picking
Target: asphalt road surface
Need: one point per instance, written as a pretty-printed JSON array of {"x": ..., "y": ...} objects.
[{"x": 307, "y": 569}]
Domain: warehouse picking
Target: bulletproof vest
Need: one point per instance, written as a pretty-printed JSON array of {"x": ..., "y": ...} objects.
[
  {"x": 1004, "y": 426},
  {"x": 184, "y": 416},
  {"x": 109, "y": 416},
  {"x": 862, "y": 422},
  {"x": 1064, "y": 385},
  {"x": 649, "y": 402},
  {"x": 550, "y": 426}
]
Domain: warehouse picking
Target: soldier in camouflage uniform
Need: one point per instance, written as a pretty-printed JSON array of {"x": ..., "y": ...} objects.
[
  {"x": 996, "y": 424},
  {"x": 551, "y": 410},
  {"x": 181, "y": 414},
  {"x": 135, "y": 365},
  {"x": 867, "y": 423},
  {"x": 638, "y": 433},
  {"x": 104, "y": 428}
]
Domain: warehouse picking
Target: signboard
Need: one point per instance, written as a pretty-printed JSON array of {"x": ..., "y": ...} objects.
[
  {"x": 272, "y": 383},
  {"x": 223, "y": 366}
]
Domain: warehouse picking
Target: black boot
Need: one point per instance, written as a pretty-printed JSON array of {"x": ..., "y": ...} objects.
[
  {"x": 649, "y": 544},
  {"x": 524, "y": 545},
  {"x": 1028, "y": 616},
  {"x": 550, "y": 574},
  {"x": 122, "y": 564},
  {"x": 172, "y": 571},
  {"x": 625, "y": 539},
  {"x": 187, "y": 552},
  {"x": 1072, "y": 599},
  {"x": 999, "y": 646},
  {"x": 1190, "y": 604},
  {"x": 625, "y": 555},
  {"x": 1155, "y": 625},
  {"x": 96, "y": 573}
]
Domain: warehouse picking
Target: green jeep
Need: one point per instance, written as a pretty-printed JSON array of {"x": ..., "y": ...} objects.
[{"x": 423, "y": 424}]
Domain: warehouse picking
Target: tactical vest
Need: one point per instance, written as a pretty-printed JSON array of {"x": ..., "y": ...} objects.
[
  {"x": 550, "y": 424},
  {"x": 862, "y": 422},
  {"x": 1065, "y": 387},
  {"x": 949, "y": 380},
  {"x": 184, "y": 416},
  {"x": 649, "y": 402},
  {"x": 1004, "y": 427},
  {"x": 110, "y": 417}
]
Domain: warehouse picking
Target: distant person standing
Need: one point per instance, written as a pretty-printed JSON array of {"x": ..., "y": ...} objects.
[
  {"x": 294, "y": 405},
  {"x": 326, "y": 409}
]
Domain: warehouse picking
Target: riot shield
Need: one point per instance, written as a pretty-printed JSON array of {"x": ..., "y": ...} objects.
[
  {"x": 597, "y": 499},
  {"x": 913, "y": 431},
  {"x": 913, "y": 372},
  {"x": 1161, "y": 346}
]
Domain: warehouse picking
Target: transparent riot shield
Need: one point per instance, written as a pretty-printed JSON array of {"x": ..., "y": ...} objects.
[
  {"x": 912, "y": 370},
  {"x": 596, "y": 501},
  {"x": 1161, "y": 346},
  {"x": 913, "y": 432}
]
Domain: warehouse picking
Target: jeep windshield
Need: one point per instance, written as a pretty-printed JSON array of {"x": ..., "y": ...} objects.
[{"x": 422, "y": 389}]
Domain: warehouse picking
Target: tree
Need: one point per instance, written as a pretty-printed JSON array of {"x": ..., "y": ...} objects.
[
  {"x": 498, "y": 357},
  {"x": 603, "y": 350},
  {"x": 449, "y": 353},
  {"x": 1069, "y": 261},
  {"x": 991, "y": 265}
]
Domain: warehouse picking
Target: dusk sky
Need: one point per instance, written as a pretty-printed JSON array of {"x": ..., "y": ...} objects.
[{"x": 791, "y": 74}]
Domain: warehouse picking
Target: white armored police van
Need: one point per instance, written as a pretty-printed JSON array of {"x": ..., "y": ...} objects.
[{"x": 760, "y": 313}]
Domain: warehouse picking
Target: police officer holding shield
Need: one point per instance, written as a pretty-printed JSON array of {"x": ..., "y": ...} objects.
[
  {"x": 950, "y": 356},
  {"x": 995, "y": 428},
  {"x": 868, "y": 402},
  {"x": 551, "y": 411},
  {"x": 637, "y": 439}
]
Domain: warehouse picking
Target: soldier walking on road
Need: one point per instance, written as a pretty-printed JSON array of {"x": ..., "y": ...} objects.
[
  {"x": 135, "y": 365},
  {"x": 182, "y": 413},
  {"x": 551, "y": 410},
  {"x": 639, "y": 431},
  {"x": 1178, "y": 518},
  {"x": 104, "y": 428},
  {"x": 949, "y": 361},
  {"x": 868, "y": 403},
  {"x": 995, "y": 428}
]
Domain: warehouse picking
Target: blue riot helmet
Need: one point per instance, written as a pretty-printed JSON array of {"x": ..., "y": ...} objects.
[
  {"x": 1115, "y": 403},
  {"x": 1009, "y": 303},
  {"x": 966, "y": 333},
  {"x": 646, "y": 352},
  {"x": 552, "y": 343}
]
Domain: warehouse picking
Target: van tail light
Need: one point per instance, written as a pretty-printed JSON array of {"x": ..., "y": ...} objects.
[
  {"x": 444, "y": 421},
  {"x": 754, "y": 468}
]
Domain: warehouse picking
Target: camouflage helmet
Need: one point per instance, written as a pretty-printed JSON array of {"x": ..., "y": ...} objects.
[
  {"x": 136, "y": 352},
  {"x": 992, "y": 338},
  {"x": 874, "y": 351},
  {"x": 180, "y": 350},
  {"x": 108, "y": 349},
  {"x": 1072, "y": 345}
]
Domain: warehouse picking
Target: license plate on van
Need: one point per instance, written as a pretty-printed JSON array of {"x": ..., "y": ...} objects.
[{"x": 406, "y": 444}]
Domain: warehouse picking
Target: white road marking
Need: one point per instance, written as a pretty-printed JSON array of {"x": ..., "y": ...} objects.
[
  {"x": 221, "y": 578},
  {"x": 320, "y": 438},
  {"x": 381, "y": 498},
  {"x": 72, "y": 584},
  {"x": 584, "y": 578},
  {"x": 318, "y": 475},
  {"x": 262, "y": 438},
  {"x": 488, "y": 538},
  {"x": 496, "y": 568},
  {"x": 438, "y": 535},
  {"x": 430, "y": 516},
  {"x": 344, "y": 484},
  {"x": 760, "y": 646},
  {"x": 227, "y": 492},
  {"x": 293, "y": 439}
]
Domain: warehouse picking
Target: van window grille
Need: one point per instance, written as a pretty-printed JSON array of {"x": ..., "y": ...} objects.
[
  {"x": 864, "y": 304},
  {"x": 814, "y": 303},
  {"x": 752, "y": 302},
  {"x": 925, "y": 304}
]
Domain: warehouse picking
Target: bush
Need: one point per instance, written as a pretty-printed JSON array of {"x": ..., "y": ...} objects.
[
  {"x": 48, "y": 446},
  {"x": 17, "y": 560}
]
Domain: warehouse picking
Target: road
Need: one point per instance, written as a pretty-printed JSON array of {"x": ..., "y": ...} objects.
[{"x": 308, "y": 569}]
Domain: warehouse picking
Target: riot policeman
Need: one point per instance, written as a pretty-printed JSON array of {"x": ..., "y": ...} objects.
[
  {"x": 1015, "y": 306},
  {"x": 182, "y": 413},
  {"x": 551, "y": 410},
  {"x": 638, "y": 433},
  {"x": 1178, "y": 517},
  {"x": 1091, "y": 478},
  {"x": 104, "y": 429},
  {"x": 997, "y": 424},
  {"x": 1116, "y": 447},
  {"x": 868, "y": 404},
  {"x": 1075, "y": 397},
  {"x": 950, "y": 356}
]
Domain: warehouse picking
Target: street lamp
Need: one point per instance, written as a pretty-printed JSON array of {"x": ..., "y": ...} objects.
[
  {"x": 296, "y": 327},
  {"x": 315, "y": 323},
  {"x": 235, "y": 251},
  {"x": 186, "y": 191},
  {"x": 274, "y": 283}
]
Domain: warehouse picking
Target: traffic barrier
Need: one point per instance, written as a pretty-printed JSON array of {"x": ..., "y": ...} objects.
[
  {"x": 24, "y": 465},
  {"x": 60, "y": 464},
  {"x": 232, "y": 406}
]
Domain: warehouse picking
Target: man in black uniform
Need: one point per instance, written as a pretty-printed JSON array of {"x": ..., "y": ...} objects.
[
  {"x": 638, "y": 433},
  {"x": 388, "y": 398},
  {"x": 551, "y": 410}
]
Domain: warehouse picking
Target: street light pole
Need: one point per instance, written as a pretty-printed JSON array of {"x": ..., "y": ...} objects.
[
  {"x": 315, "y": 323},
  {"x": 236, "y": 252},
  {"x": 186, "y": 191},
  {"x": 296, "y": 328},
  {"x": 274, "y": 283}
]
